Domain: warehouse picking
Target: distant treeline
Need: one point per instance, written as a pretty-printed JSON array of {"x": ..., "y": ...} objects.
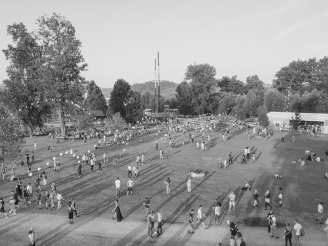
[{"x": 150, "y": 85}]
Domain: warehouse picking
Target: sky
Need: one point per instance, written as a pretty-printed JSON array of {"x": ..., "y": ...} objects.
[{"x": 120, "y": 39}]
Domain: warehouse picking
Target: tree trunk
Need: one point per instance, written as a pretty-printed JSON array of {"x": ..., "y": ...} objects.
[{"x": 61, "y": 122}]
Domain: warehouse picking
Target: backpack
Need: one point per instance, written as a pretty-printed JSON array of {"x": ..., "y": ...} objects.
[
  {"x": 242, "y": 243},
  {"x": 302, "y": 232}
]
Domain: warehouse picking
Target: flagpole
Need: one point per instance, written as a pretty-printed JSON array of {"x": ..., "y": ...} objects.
[
  {"x": 156, "y": 107},
  {"x": 158, "y": 86}
]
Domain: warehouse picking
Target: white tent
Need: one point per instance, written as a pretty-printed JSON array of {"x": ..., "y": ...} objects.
[{"x": 286, "y": 117}]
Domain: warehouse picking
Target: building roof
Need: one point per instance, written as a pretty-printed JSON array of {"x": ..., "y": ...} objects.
[
  {"x": 317, "y": 117},
  {"x": 97, "y": 113}
]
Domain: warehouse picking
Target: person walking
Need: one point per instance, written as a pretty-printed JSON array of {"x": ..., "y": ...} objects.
[
  {"x": 2, "y": 208},
  {"x": 142, "y": 159},
  {"x": 189, "y": 184},
  {"x": 79, "y": 169},
  {"x": 320, "y": 213},
  {"x": 280, "y": 196},
  {"x": 35, "y": 145},
  {"x": 230, "y": 158},
  {"x": 161, "y": 154},
  {"x": 168, "y": 188},
  {"x": 118, "y": 187},
  {"x": 201, "y": 216},
  {"x": 269, "y": 221},
  {"x": 297, "y": 232},
  {"x": 117, "y": 212},
  {"x": 130, "y": 186},
  {"x": 130, "y": 171},
  {"x": 256, "y": 198},
  {"x": 31, "y": 236},
  {"x": 191, "y": 221},
  {"x": 288, "y": 235},
  {"x": 136, "y": 173},
  {"x": 273, "y": 224},
  {"x": 74, "y": 207},
  {"x": 70, "y": 213},
  {"x": 99, "y": 167},
  {"x": 232, "y": 204},
  {"x": 233, "y": 230},
  {"x": 267, "y": 200}
]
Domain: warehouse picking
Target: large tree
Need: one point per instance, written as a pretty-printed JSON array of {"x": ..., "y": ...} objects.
[
  {"x": 184, "y": 98},
  {"x": 62, "y": 64},
  {"x": 201, "y": 78},
  {"x": 232, "y": 84},
  {"x": 115, "y": 123},
  {"x": 119, "y": 97},
  {"x": 274, "y": 100},
  {"x": 253, "y": 82},
  {"x": 11, "y": 135},
  {"x": 24, "y": 91},
  {"x": 95, "y": 99},
  {"x": 227, "y": 100},
  {"x": 134, "y": 108},
  {"x": 262, "y": 116}
]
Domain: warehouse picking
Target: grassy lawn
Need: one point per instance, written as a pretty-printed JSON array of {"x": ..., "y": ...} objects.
[{"x": 303, "y": 186}]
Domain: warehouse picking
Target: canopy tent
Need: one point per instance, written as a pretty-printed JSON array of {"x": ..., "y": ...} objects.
[{"x": 286, "y": 117}]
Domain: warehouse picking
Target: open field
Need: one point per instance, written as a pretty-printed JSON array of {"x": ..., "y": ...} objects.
[{"x": 304, "y": 187}]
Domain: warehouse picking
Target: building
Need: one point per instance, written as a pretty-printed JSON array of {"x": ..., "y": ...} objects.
[{"x": 306, "y": 119}]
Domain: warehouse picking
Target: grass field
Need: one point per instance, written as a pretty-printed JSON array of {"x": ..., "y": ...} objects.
[{"x": 303, "y": 186}]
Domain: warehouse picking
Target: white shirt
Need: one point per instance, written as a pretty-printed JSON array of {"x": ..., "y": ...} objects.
[
  {"x": 29, "y": 188},
  {"x": 320, "y": 208},
  {"x": 130, "y": 183},
  {"x": 59, "y": 197},
  {"x": 159, "y": 218},
  {"x": 199, "y": 213},
  {"x": 232, "y": 197},
  {"x": 217, "y": 210},
  {"x": 297, "y": 228},
  {"x": 274, "y": 220},
  {"x": 117, "y": 183}
]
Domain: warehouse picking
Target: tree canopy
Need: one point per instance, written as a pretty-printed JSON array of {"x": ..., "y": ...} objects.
[
  {"x": 119, "y": 97},
  {"x": 95, "y": 99}
]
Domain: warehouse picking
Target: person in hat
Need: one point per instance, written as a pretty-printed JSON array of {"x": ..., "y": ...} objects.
[
  {"x": 320, "y": 213},
  {"x": 31, "y": 236}
]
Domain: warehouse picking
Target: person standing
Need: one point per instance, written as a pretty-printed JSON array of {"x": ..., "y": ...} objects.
[
  {"x": 161, "y": 154},
  {"x": 130, "y": 186},
  {"x": 117, "y": 212},
  {"x": 12, "y": 205},
  {"x": 52, "y": 199},
  {"x": 142, "y": 159},
  {"x": 146, "y": 203},
  {"x": 233, "y": 230},
  {"x": 47, "y": 199},
  {"x": 136, "y": 173},
  {"x": 31, "y": 236},
  {"x": 60, "y": 198},
  {"x": 34, "y": 145},
  {"x": 230, "y": 158},
  {"x": 104, "y": 156},
  {"x": 150, "y": 223},
  {"x": 168, "y": 188},
  {"x": 156, "y": 145},
  {"x": 320, "y": 213},
  {"x": 79, "y": 169},
  {"x": 189, "y": 185},
  {"x": 232, "y": 204},
  {"x": 201, "y": 216},
  {"x": 32, "y": 156},
  {"x": 129, "y": 171},
  {"x": 191, "y": 221},
  {"x": 30, "y": 192},
  {"x": 99, "y": 167},
  {"x": 70, "y": 213},
  {"x": 217, "y": 212},
  {"x": 160, "y": 223},
  {"x": 280, "y": 196},
  {"x": 118, "y": 187},
  {"x": 297, "y": 232},
  {"x": 267, "y": 199},
  {"x": 256, "y": 198},
  {"x": 288, "y": 235}
]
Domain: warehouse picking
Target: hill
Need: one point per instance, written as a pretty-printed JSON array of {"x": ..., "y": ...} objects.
[
  {"x": 167, "y": 88},
  {"x": 106, "y": 92}
]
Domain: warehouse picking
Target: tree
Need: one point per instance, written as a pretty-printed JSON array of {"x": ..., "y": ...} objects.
[
  {"x": 296, "y": 120},
  {"x": 119, "y": 97},
  {"x": 184, "y": 98},
  {"x": 262, "y": 116},
  {"x": 239, "y": 108},
  {"x": 62, "y": 64},
  {"x": 24, "y": 91},
  {"x": 95, "y": 99},
  {"x": 11, "y": 135},
  {"x": 226, "y": 102},
  {"x": 253, "y": 82},
  {"x": 274, "y": 100},
  {"x": 232, "y": 84},
  {"x": 148, "y": 101},
  {"x": 202, "y": 83},
  {"x": 134, "y": 108},
  {"x": 253, "y": 100},
  {"x": 83, "y": 119},
  {"x": 115, "y": 123}
]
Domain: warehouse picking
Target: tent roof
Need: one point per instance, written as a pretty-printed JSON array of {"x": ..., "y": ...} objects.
[{"x": 304, "y": 116}]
